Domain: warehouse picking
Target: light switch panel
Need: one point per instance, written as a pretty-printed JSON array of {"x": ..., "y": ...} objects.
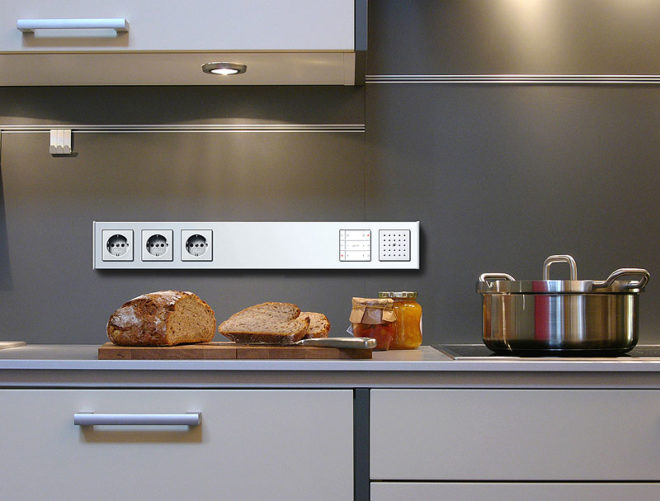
[{"x": 355, "y": 245}]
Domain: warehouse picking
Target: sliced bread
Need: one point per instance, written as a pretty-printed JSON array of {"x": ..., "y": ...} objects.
[
  {"x": 266, "y": 323},
  {"x": 163, "y": 318},
  {"x": 319, "y": 325}
]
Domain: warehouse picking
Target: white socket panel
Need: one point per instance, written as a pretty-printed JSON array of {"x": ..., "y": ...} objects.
[
  {"x": 117, "y": 245},
  {"x": 257, "y": 245},
  {"x": 394, "y": 245},
  {"x": 157, "y": 245},
  {"x": 197, "y": 245}
]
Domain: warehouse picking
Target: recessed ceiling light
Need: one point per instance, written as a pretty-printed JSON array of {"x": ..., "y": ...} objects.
[{"x": 224, "y": 68}]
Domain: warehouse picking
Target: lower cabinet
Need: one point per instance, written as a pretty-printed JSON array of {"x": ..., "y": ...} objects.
[
  {"x": 249, "y": 445},
  {"x": 453, "y": 491},
  {"x": 515, "y": 444}
]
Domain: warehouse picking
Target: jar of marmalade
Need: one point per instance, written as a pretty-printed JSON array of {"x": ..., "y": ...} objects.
[
  {"x": 408, "y": 323},
  {"x": 374, "y": 318}
]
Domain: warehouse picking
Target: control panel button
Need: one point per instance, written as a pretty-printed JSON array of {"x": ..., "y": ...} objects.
[{"x": 355, "y": 245}]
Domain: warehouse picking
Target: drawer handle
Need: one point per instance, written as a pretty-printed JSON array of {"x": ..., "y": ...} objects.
[
  {"x": 29, "y": 25},
  {"x": 93, "y": 419}
]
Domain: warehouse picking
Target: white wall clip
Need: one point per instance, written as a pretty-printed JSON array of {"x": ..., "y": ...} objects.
[{"x": 60, "y": 142}]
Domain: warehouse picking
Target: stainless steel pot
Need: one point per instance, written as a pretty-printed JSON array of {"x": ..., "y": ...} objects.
[{"x": 537, "y": 317}]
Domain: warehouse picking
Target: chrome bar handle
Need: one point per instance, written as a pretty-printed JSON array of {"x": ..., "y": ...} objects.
[
  {"x": 492, "y": 277},
  {"x": 29, "y": 25},
  {"x": 616, "y": 274},
  {"x": 93, "y": 419},
  {"x": 560, "y": 258}
]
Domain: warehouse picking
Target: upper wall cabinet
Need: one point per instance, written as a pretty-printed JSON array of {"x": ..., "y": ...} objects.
[{"x": 148, "y": 42}]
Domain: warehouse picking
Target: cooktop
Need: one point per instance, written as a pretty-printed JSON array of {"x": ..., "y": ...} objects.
[{"x": 480, "y": 351}]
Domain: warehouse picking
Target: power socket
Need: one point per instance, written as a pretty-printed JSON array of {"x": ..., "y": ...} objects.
[
  {"x": 157, "y": 245},
  {"x": 394, "y": 245},
  {"x": 117, "y": 245},
  {"x": 196, "y": 245}
]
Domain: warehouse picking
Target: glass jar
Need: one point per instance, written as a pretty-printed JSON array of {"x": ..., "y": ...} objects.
[
  {"x": 374, "y": 318},
  {"x": 408, "y": 312}
]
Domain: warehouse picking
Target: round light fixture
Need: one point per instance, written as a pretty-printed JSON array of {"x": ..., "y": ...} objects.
[{"x": 224, "y": 68}]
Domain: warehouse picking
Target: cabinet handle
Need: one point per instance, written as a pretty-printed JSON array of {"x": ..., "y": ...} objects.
[
  {"x": 29, "y": 25},
  {"x": 93, "y": 419}
]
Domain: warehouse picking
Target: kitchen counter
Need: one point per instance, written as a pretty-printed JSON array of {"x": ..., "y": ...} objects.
[
  {"x": 345, "y": 411},
  {"x": 77, "y": 365}
]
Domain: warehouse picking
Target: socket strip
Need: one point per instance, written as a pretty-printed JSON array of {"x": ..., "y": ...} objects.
[{"x": 256, "y": 245}]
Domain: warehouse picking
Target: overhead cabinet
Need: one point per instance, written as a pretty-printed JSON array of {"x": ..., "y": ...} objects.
[{"x": 142, "y": 42}]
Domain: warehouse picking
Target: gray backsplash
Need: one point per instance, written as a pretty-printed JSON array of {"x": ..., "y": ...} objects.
[{"x": 500, "y": 176}]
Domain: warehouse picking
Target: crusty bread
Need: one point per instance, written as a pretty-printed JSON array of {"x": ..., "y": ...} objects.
[
  {"x": 319, "y": 325},
  {"x": 266, "y": 323},
  {"x": 163, "y": 318}
]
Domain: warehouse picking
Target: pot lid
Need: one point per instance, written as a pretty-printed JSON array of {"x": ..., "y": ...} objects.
[{"x": 623, "y": 280}]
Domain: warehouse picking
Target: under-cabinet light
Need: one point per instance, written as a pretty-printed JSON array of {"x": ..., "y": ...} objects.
[{"x": 224, "y": 68}]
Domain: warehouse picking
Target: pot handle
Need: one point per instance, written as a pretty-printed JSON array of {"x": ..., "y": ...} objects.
[
  {"x": 488, "y": 277},
  {"x": 560, "y": 258},
  {"x": 616, "y": 274}
]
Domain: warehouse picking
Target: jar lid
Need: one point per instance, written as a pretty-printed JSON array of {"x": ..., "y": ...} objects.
[
  {"x": 369, "y": 302},
  {"x": 372, "y": 311},
  {"x": 398, "y": 294}
]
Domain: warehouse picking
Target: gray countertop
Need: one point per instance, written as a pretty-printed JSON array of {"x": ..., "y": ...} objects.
[
  {"x": 423, "y": 359},
  {"x": 77, "y": 365}
]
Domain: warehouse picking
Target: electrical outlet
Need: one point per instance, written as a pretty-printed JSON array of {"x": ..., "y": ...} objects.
[
  {"x": 157, "y": 245},
  {"x": 117, "y": 245},
  {"x": 196, "y": 245},
  {"x": 394, "y": 245}
]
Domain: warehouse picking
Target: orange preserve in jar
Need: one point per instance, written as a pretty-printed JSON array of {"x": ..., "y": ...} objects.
[
  {"x": 408, "y": 323},
  {"x": 374, "y": 318}
]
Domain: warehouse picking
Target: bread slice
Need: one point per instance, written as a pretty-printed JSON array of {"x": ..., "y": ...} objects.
[
  {"x": 162, "y": 318},
  {"x": 319, "y": 325},
  {"x": 266, "y": 323}
]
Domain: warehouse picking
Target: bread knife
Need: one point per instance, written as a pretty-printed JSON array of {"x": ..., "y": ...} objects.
[{"x": 363, "y": 343}]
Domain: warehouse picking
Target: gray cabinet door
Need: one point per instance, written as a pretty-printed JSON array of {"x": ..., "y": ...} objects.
[
  {"x": 190, "y": 26},
  {"x": 454, "y": 491},
  {"x": 515, "y": 435},
  {"x": 250, "y": 445}
]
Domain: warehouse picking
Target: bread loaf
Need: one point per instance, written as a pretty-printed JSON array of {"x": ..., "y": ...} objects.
[
  {"x": 163, "y": 318},
  {"x": 266, "y": 323},
  {"x": 319, "y": 325}
]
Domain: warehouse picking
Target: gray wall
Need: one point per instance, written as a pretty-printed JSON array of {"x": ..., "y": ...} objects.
[{"x": 500, "y": 176}]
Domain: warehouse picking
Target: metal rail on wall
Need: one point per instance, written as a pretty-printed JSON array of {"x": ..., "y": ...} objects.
[
  {"x": 516, "y": 79},
  {"x": 61, "y": 135},
  {"x": 186, "y": 127}
]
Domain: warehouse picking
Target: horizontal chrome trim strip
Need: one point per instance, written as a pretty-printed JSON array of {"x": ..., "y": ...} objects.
[
  {"x": 517, "y": 79},
  {"x": 188, "y": 128}
]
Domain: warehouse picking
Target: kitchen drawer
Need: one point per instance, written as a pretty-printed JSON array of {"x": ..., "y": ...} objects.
[
  {"x": 454, "y": 491},
  {"x": 515, "y": 435},
  {"x": 250, "y": 445},
  {"x": 221, "y": 25}
]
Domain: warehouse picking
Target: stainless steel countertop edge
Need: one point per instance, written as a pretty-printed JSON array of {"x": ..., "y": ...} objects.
[{"x": 425, "y": 359}]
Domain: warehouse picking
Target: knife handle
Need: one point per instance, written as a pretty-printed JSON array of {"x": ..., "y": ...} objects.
[{"x": 364, "y": 343}]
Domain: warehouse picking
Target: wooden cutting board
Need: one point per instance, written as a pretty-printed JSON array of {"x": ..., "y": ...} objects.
[{"x": 227, "y": 351}]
